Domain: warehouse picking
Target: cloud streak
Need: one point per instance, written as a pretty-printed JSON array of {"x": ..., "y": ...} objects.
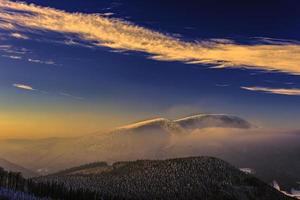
[
  {"x": 121, "y": 35},
  {"x": 15, "y": 54},
  {"x": 30, "y": 88},
  {"x": 19, "y": 36},
  {"x": 71, "y": 96},
  {"x": 12, "y": 57},
  {"x": 48, "y": 62},
  {"x": 24, "y": 87},
  {"x": 281, "y": 91}
]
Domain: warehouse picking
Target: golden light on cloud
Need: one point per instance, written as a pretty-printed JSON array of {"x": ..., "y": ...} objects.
[
  {"x": 24, "y": 87},
  {"x": 282, "y": 91},
  {"x": 122, "y": 35}
]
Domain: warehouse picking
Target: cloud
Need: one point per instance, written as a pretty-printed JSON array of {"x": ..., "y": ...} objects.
[
  {"x": 282, "y": 91},
  {"x": 48, "y": 62},
  {"x": 222, "y": 85},
  {"x": 118, "y": 34},
  {"x": 107, "y": 14},
  {"x": 15, "y": 52},
  {"x": 71, "y": 96},
  {"x": 19, "y": 36},
  {"x": 30, "y": 88},
  {"x": 267, "y": 40},
  {"x": 24, "y": 87},
  {"x": 72, "y": 42},
  {"x": 6, "y": 26},
  {"x": 12, "y": 57}
]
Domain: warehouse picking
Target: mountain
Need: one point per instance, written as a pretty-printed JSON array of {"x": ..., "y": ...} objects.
[
  {"x": 262, "y": 150},
  {"x": 140, "y": 140},
  {"x": 9, "y": 166},
  {"x": 203, "y": 178},
  {"x": 212, "y": 120}
]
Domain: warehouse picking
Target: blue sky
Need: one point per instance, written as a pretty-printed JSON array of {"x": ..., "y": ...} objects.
[{"x": 68, "y": 74}]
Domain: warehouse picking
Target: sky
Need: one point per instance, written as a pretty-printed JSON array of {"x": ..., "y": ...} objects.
[{"x": 74, "y": 68}]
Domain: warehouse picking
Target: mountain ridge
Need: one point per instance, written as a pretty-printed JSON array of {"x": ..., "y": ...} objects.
[{"x": 189, "y": 123}]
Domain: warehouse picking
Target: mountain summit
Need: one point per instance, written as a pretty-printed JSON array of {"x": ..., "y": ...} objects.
[
  {"x": 186, "y": 124},
  {"x": 212, "y": 120}
]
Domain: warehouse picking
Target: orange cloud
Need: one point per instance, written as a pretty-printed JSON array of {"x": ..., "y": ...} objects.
[
  {"x": 122, "y": 35},
  {"x": 282, "y": 91}
]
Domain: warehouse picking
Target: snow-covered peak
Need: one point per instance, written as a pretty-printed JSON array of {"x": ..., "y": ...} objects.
[
  {"x": 199, "y": 116},
  {"x": 212, "y": 120},
  {"x": 143, "y": 123}
]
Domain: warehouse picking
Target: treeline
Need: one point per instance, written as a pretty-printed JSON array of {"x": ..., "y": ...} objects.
[{"x": 13, "y": 183}]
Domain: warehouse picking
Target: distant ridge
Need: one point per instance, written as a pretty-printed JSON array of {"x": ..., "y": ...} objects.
[{"x": 9, "y": 166}]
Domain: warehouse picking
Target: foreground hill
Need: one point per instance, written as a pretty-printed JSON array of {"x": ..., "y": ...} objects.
[{"x": 204, "y": 178}]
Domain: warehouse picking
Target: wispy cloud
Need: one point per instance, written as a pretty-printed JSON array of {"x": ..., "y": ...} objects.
[
  {"x": 12, "y": 50},
  {"x": 282, "y": 91},
  {"x": 12, "y": 57},
  {"x": 30, "y": 88},
  {"x": 268, "y": 40},
  {"x": 122, "y": 35},
  {"x": 23, "y": 86},
  {"x": 107, "y": 14},
  {"x": 8, "y": 51},
  {"x": 19, "y": 36},
  {"x": 6, "y": 26},
  {"x": 222, "y": 85},
  {"x": 72, "y": 42},
  {"x": 71, "y": 96},
  {"x": 48, "y": 62}
]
